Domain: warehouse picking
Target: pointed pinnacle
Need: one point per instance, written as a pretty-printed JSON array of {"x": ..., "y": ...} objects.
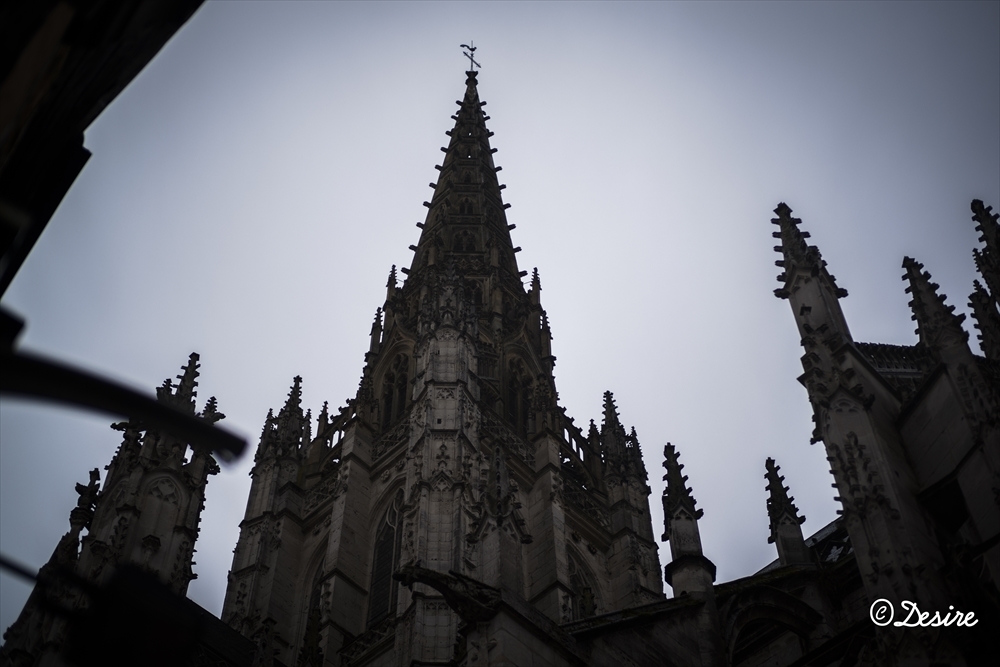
[
  {"x": 676, "y": 496},
  {"x": 211, "y": 413},
  {"x": 988, "y": 224},
  {"x": 391, "y": 282},
  {"x": 988, "y": 259},
  {"x": 186, "y": 392},
  {"x": 796, "y": 253},
  {"x": 268, "y": 421},
  {"x": 779, "y": 504},
  {"x": 536, "y": 283},
  {"x": 610, "y": 410},
  {"x": 936, "y": 321},
  {"x": 294, "y": 395},
  {"x": 987, "y": 318}
]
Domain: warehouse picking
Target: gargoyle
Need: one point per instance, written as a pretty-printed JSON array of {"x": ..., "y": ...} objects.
[{"x": 474, "y": 601}]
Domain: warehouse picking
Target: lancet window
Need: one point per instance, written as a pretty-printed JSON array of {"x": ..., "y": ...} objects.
[
  {"x": 518, "y": 399},
  {"x": 584, "y": 598},
  {"x": 394, "y": 391},
  {"x": 311, "y": 654},
  {"x": 383, "y": 591}
]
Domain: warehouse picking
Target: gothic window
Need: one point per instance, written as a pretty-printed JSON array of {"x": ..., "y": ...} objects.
[
  {"x": 518, "y": 403},
  {"x": 584, "y": 599},
  {"x": 394, "y": 391},
  {"x": 311, "y": 654},
  {"x": 383, "y": 591},
  {"x": 465, "y": 207}
]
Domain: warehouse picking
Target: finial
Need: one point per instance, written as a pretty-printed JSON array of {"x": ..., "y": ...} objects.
[
  {"x": 610, "y": 410},
  {"x": 470, "y": 55},
  {"x": 392, "y": 277},
  {"x": 676, "y": 496},
  {"x": 780, "y": 506}
]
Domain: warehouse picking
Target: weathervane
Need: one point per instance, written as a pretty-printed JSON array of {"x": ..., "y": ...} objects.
[{"x": 470, "y": 54}]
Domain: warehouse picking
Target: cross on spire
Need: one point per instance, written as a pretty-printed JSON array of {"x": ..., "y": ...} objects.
[{"x": 471, "y": 55}]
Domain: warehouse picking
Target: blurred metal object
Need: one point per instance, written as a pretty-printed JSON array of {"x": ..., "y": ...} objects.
[{"x": 35, "y": 377}]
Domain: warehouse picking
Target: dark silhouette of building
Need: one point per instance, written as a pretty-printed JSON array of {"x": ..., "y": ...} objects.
[{"x": 453, "y": 514}]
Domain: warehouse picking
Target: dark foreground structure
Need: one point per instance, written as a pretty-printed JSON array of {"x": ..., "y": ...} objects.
[{"x": 453, "y": 514}]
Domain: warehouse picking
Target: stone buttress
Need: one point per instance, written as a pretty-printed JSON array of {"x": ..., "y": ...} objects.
[{"x": 911, "y": 436}]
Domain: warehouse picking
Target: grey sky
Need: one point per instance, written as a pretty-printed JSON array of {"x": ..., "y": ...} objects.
[{"x": 250, "y": 189}]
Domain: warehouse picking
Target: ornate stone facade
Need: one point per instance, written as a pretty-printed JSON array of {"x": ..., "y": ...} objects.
[
  {"x": 452, "y": 513},
  {"x": 454, "y": 467}
]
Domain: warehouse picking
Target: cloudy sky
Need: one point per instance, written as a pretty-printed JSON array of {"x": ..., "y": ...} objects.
[{"x": 251, "y": 188}]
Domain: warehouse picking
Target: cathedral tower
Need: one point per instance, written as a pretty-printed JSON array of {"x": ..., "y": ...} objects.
[
  {"x": 451, "y": 512},
  {"x": 146, "y": 514}
]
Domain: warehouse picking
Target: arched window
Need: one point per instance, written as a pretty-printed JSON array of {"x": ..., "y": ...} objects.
[
  {"x": 311, "y": 654},
  {"x": 395, "y": 386},
  {"x": 387, "y": 401},
  {"x": 383, "y": 591},
  {"x": 584, "y": 600},
  {"x": 518, "y": 399}
]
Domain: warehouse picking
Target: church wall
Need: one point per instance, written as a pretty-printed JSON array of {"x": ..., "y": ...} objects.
[{"x": 936, "y": 432}]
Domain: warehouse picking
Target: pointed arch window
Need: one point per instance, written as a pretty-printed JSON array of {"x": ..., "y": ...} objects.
[
  {"x": 518, "y": 399},
  {"x": 383, "y": 591},
  {"x": 395, "y": 385},
  {"x": 584, "y": 598},
  {"x": 311, "y": 654}
]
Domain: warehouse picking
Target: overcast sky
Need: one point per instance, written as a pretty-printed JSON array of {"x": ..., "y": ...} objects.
[{"x": 250, "y": 189}]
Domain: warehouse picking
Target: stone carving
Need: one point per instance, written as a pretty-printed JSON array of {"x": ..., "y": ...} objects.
[
  {"x": 367, "y": 641},
  {"x": 491, "y": 427},
  {"x": 472, "y": 600},
  {"x": 394, "y": 437},
  {"x": 577, "y": 496}
]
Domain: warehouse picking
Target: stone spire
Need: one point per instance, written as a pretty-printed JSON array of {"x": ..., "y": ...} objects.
[
  {"x": 376, "y": 332},
  {"x": 804, "y": 270},
  {"x": 677, "y": 498},
  {"x": 937, "y": 325},
  {"x": 621, "y": 451},
  {"x": 984, "y": 310},
  {"x": 985, "y": 302},
  {"x": 183, "y": 394},
  {"x": 465, "y": 218},
  {"x": 290, "y": 419},
  {"x": 988, "y": 259},
  {"x": 786, "y": 531},
  {"x": 688, "y": 571}
]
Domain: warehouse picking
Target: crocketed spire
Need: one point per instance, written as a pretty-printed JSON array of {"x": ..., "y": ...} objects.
[
  {"x": 677, "y": 496},
  {"x": 937, "y": 324},
  {"x": 465, "y": 220},
  {"x": 781, "y": 508},
  {"x": 797, "y": 254}
]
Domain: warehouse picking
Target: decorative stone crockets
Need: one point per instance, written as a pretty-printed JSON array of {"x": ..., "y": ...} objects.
[
  {"x": 453, "y": 456},
  {"x": 146, "y": 514},
  {"x": 150, "y": 506},
  {"x": 786, "y": 530}
]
